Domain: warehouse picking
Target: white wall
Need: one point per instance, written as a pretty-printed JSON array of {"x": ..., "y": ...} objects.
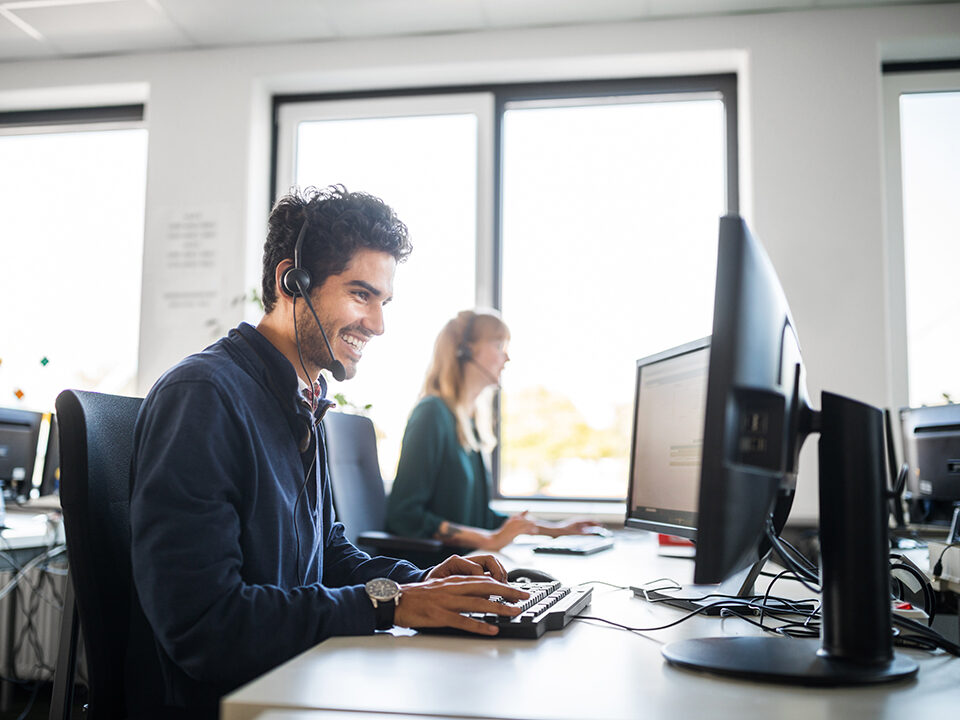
[{"x": 811, "y": 161}]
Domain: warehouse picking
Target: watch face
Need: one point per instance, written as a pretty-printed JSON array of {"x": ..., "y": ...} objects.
[{"x": 382, "y": 589}]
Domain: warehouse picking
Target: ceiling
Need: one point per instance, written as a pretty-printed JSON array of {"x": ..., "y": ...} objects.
[{"x": 42, "y": 29}]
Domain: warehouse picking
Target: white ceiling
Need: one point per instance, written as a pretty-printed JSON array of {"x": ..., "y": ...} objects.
[{"x": 36, "y": 29}]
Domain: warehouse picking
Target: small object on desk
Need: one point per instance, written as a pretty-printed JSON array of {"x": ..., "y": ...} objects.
[
  {"x": 673, "y": 546},
  {"x": 528, "y": 575},
  {"x": 575, "y": 545},
  {"x": 598, "y": 530}
]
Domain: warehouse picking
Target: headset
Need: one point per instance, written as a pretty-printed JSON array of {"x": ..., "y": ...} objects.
[
  {"x": 464, "y": 351},
  {"x": 295, "y": 282}
]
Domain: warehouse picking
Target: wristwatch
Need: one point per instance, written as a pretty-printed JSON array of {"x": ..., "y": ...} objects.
[{"x": 384, "y": 593}]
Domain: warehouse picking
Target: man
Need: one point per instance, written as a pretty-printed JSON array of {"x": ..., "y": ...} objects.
[{"x": 237, "y": 560}]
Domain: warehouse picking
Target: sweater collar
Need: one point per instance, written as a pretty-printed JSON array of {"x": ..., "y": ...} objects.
[
  {"x": 274, "y": 370},
  {"x": 262, "y": 360}
]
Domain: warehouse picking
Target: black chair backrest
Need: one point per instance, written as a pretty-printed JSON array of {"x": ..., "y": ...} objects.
[
  {"x": 96, "y": 445},
  {"x": 358, "y": 493}
]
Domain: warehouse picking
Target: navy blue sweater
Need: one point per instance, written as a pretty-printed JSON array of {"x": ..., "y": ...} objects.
[{"x": 238, "y": 562}]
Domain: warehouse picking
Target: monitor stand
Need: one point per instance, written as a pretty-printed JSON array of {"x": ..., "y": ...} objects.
[{"x": 856, "y": 635}]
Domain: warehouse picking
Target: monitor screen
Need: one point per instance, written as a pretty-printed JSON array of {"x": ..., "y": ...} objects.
[
  {"x": 19, "y": 436},
  {"x": 931, "y": 449},
  {"x": 671, "y": 393},
  {"x": 755, "y": 394}
]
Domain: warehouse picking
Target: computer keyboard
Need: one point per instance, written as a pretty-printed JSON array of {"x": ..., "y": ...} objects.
[
  {"x": 550, "y": 606},
  {"x": 575, "y": 545}
]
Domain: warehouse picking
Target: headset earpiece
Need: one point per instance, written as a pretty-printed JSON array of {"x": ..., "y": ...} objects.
[
  {"x": 464, "y": 351},
  {"x": 296, "y": 280}
]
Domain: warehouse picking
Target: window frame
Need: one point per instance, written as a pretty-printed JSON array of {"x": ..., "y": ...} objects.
[
  {"x": 74, "y": 121},
  {"x": 901, "y": 78},
  {"x": 489, "y": 254}
]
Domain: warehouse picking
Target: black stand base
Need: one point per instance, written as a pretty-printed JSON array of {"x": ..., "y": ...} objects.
[{"x": 781, "y": 660}]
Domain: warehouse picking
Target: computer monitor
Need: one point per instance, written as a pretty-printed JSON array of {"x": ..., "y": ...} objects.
[
  {"x": 757, "y": 417},
  {"x": 50, "y": 480},
  {"x": 19, "y": 435},
  {"x": 669, "y": 401},
  {"x": 931, "y": 449}
]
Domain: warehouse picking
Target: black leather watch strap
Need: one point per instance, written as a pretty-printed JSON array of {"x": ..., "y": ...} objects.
[{"x": 384, "y": 612}]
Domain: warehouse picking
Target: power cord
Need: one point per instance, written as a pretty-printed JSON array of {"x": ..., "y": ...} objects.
[
  {"x": 929, "y": 601},
  {"x": 938, "y": 566}
]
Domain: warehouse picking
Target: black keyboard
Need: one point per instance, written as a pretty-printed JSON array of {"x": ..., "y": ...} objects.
[{"x": 550, "y": 607}]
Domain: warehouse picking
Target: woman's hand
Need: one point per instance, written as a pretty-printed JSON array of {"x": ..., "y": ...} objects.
[
  {"x": 571, "y": 527},
  {"x": 516, "y": 525}
]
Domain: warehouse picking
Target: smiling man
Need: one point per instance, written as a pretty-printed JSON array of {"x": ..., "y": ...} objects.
[{"x": 238, "y": 561}]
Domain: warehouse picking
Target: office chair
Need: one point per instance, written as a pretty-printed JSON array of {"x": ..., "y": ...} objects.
[
  {"x": 96, "y": 446},
  {"x": 358, "y": 495}
]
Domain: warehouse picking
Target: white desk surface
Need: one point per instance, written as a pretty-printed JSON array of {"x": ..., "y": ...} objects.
[
  {"x": 26, "y": 529},
  {"x": 587, "y": 671}
]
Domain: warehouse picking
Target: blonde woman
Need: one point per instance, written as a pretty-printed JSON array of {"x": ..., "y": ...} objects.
[{"x": 442, "y": 486}]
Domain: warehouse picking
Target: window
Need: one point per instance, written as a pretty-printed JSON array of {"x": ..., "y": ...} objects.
[
  {"x": 72, "y": 193},
  {"x": 610, "y": 216},
  {"x": 925, "y": 215},
  {"x": 420, "y": 155},
  {"x": 591, "y": 223}
]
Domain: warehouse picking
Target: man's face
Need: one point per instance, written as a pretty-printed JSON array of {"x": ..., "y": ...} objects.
[{"x": 350, "y": 307}]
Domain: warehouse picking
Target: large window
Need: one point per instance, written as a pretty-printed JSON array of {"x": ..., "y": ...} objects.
[
  {"x": 420, "y": 155},
  {"x": 71, "y": 240},
  {"x": 591, "y": 223},
  {"x": 609, "y": 254},
  {"x": 925, "y": 216}
]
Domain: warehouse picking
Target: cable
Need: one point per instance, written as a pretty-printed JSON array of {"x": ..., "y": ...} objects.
[
  {"x": 296, "y": 504},
  {"x": 927, "y": 634},
  {"x": 603, "y": 582},
  {"x": 803, "y": 558},
  {"x": 729, "y": 607},
  {"x": 938, "y": 566},
  {"x": 29, "y": 705},
  {"x": 929, "y": 601}
]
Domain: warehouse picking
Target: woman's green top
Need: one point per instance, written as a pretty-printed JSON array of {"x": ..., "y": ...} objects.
[{"x": 437, "y": 478}]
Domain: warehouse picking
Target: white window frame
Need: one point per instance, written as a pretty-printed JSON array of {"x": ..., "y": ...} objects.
[
  {"x": 488, "y": 103},
  {"x": 290, "y": 115},
  {"x": 896, "y": 84}
]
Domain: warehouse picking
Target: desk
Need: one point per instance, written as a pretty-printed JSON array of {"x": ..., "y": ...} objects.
[
  {"x": 28, "y": 535},
  {"x": 586, "y": 671}
]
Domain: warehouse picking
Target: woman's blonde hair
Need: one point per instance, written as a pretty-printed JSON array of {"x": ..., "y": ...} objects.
[{"x": 445, "y": 375}]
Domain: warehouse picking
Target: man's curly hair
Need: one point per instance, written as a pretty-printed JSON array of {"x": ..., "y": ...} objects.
[{"x": 339, "y": 224}]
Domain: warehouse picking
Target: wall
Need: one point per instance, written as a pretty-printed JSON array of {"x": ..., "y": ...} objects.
[{"x": 811, "y": 161}]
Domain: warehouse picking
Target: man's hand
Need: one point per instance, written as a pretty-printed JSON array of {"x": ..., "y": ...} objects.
[
  {"x": 475, "y": 565},
  {"x": 438, "y": 603}
]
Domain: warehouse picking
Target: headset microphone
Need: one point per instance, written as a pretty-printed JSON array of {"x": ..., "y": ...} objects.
[
  {"x": 465, "y": 352},
  {"x": 295, "y": 281},
  {"x": 483, "y": 371}
]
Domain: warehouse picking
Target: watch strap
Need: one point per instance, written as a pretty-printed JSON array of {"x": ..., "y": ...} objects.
[{"x": 384, "y": 611}]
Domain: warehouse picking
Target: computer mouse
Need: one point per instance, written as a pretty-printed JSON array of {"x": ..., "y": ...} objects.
[
  {"x": 529, "y": 575},
  {"x": 598, "y": 530}
]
